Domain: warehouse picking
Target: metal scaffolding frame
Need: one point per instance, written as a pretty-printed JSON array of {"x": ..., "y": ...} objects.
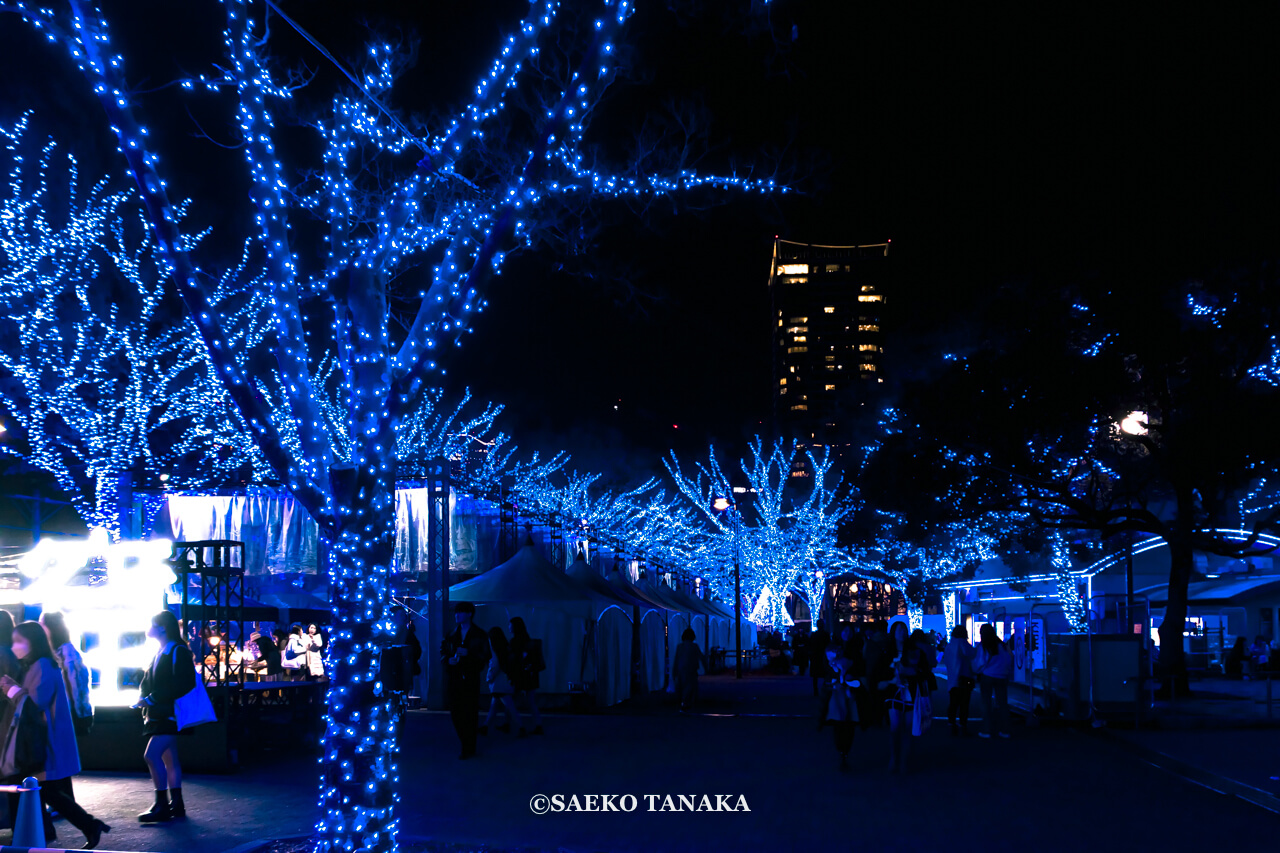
[{"x": 218, "y": 572}]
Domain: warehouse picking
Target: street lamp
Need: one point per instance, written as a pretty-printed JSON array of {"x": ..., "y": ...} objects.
[
  {"x": 1134, "y": 423},
  {"x": 719, "y": 505}
]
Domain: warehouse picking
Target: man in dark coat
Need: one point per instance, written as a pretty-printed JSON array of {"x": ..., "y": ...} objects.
[{"x": 466, "y": 655}]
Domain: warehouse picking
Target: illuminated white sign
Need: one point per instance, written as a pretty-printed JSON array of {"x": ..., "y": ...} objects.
[{"x": 124, "y": 587}]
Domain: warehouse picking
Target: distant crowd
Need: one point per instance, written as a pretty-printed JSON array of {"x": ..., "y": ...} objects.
[{"x": 872, "y": 674}]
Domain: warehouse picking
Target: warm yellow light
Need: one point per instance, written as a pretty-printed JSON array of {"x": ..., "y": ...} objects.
[
  {"x": 800, "y": 408},
  {"x": 829, "y": 387},
  {"x": 873, "y": 298},
  {"x": 793, "y": 269},
  {"x": 720, "y": 504},
  {"x": 800, "y": 339},
  {"x": 868, "y": 327},
  {"x": 830, "y": 309}
]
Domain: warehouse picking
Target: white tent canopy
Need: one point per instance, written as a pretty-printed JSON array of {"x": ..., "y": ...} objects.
[{"x": 582, "y": 631}]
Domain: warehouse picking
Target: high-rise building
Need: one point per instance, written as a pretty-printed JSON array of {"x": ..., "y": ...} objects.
[{"x": 828, "y": 305}]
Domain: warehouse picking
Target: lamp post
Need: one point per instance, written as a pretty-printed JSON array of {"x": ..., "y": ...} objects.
[{"x": 720, "y": 505}]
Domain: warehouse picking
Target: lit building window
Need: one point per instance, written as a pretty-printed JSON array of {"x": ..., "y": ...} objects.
[
  {"x": 828, "y": 387},
  {"x": 868, "y": 348},
  {"x": 868, "y": 327},
  {"x": 800, "y": 408},
  {"x": 867, "y": 367},
  {"x": 832, "y": 367},
  {"x": 800, "y": 339},
  {"x": 799, "y": 319},
  {"x": 779, "y": 323},
  {"x": 873, "y": 298},
  {"x": 830, "y": 309},
  {"x": 791, "y": 330},
  {"x": 867, "y": 288},
  {"x": 831, "y": 358},
  {"x": 782, "y": 381},
  {"x": 793, "y": 370},
  {"x": 797, "y": 349},
  {"x": 833, "y": 268},
  {"x": 793, "y": 269},
  {"x": 782, "y": 391}
]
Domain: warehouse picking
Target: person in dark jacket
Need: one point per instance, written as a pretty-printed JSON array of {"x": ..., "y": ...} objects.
[
  {"x": 688, "y": 659},
  {"x": 171, "y": 676},
  {"x": 466, "y": 656},
  {"x": 268, "y": 662},
  {"x": 41, "y": 683},
  {"x": 8, "y": 663},
  {"x": 526, "y": 663}
]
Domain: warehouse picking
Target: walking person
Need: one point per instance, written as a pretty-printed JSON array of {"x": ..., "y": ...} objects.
[
  {"x": 526, "y": 662},
  {"x": 8, "y": 662},
  {"x": 75, "y": 675},
  {"x": 314, "y": 667},
  {"x": 958, "y": 659},
  {"x": 877, "y": 661},
  {"x": 41, "y": 682},
  {"x": 688, "y": 658},
  {"x": 993, "y": 665},
  {"x": 910, "y": 686},
  {"x": 842, "y": 707},
  {"x": 498, "y": 678},
  {"x": 171, "y": 676},
  {"x": 466, "y": 655}
]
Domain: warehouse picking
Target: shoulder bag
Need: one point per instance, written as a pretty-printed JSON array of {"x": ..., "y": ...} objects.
[
  {"x": 26, "y": 744},
  {"x": 193, "y": 709}
]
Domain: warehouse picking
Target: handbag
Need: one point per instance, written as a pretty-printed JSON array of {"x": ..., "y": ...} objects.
[
  {"x": 26, "y": 744},
  {"x": 193, "y": 709}
]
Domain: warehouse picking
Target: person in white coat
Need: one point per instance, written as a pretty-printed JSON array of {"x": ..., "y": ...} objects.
[
  {"x": 294, "y": 656},
  {"x": 315, "y": 653}
]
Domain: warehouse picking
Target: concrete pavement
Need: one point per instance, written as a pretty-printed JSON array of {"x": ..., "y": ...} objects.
[{"x": 1045, "y": 789}]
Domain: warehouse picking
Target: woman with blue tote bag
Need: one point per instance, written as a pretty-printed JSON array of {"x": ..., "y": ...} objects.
[{"x": 169, "y": 687}]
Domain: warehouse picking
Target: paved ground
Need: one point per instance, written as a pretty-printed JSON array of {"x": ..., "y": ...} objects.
[{"x": 1046, "y": 789}]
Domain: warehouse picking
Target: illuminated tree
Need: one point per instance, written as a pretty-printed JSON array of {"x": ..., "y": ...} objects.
[
  {"x": 506, "y": 172},
  {"x": 1134, "y": 407},
  {"x": 927, "y": 514},
  {"x": 788, "y": 527},
  {"x": 94, "y": 368}
]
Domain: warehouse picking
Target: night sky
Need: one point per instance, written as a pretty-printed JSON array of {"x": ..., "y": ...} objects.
[{"x": 1044, "y": 145}]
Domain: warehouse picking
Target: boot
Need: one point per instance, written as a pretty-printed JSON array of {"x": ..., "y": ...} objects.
[
  {"x": 159, "y": 811},
  {"x": 93, "y": 836},
  {"x": 176, "y": 806}
]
